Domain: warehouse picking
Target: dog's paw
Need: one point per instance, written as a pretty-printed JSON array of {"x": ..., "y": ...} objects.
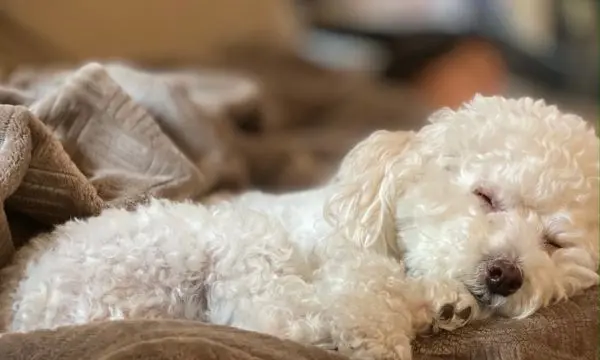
[
  {"x": 453, "y": 315},
  {"x": 453, "y": 307}
]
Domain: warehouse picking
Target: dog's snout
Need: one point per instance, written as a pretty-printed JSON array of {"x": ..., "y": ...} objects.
[{"x": 504, "y": 278}]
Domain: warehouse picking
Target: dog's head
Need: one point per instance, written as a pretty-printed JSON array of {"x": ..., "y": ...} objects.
[{"x": 501, "y": 194}]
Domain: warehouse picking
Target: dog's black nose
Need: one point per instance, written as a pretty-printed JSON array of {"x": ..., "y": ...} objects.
[{"x": 504, "y": 278}]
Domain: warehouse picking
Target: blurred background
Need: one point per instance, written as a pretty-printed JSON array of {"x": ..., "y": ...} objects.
[
  {"x": 330, "y": 64},
  {"x": 447, "y": 48},
  {"x": 452, "y": 48}
]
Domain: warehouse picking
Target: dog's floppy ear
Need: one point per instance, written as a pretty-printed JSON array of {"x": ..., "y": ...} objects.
[{"x": 367, "y": 184}]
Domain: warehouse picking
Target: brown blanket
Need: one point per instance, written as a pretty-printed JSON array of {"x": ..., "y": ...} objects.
[
  {"x": 539, "y": 337},
  {"x": 154, "y": 340},
  {"x": 109, "y": 135}
]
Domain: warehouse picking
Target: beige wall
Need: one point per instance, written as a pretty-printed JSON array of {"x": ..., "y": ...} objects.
[{"x": 150, "y": 29}]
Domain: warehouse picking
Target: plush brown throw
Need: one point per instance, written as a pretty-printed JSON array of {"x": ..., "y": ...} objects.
[
  {"x": 85, "y": 145},
  {"x": 539, "y": 337},
  {"x": 74, "y": 142},
  {"x": 154, "y": 340},
  {"x": 567, "y": 330}
]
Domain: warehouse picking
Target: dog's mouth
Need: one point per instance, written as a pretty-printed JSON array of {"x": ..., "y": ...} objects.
[
  {"x": 475, "y": 285},
  {"x": 482, "y": 298},
  {"x": 485, "y": 299}
]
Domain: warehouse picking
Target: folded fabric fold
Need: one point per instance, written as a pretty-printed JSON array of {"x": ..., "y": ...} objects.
[
  {"x": 76, "y": 141},
  {"x": 15, "y": 155}
]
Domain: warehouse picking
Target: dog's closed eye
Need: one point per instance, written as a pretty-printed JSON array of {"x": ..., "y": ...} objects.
[
  {"x": 488, "y": 201},
  {"x": 550, "y": 244}
]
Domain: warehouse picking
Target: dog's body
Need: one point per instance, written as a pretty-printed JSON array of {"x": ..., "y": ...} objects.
[{"x": 491, "y": 209}]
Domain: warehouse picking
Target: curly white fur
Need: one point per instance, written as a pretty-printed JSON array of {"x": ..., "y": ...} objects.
[{"x": 329, "y": 266}]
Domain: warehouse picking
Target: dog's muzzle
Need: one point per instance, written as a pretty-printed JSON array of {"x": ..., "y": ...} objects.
[{"x": 503, "y": 277}]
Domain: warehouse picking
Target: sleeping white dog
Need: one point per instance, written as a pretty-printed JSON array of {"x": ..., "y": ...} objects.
[{"x": 491, "y": 209}]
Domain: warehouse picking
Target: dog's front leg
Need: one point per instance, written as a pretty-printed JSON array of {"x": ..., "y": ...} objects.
[{"x": 373, "y": 308}]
